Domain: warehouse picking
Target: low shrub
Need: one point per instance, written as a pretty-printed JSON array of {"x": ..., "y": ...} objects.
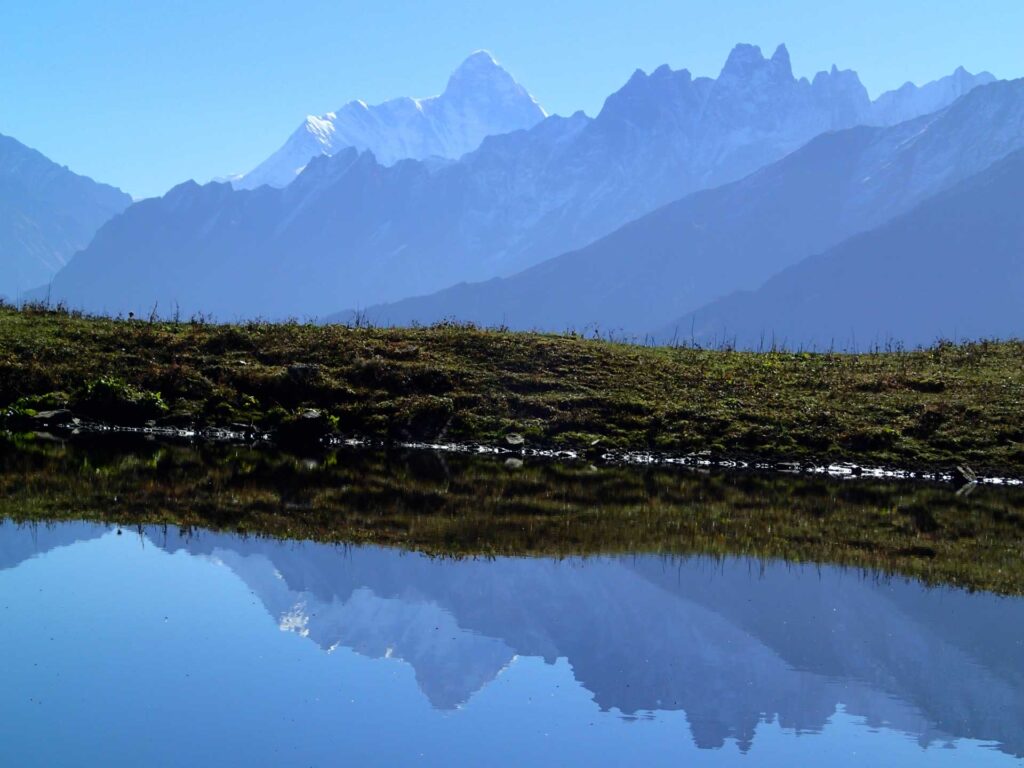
[{"x": 113, "y": 400}]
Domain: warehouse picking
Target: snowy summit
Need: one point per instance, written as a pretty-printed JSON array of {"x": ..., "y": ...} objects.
[{"x": 480, "y": 100}]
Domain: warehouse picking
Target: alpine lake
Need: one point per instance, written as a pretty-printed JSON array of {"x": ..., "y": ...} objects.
[{"x": 171, "y": 604}]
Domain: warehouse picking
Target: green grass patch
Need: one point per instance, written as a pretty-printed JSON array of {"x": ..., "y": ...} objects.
[{"x": 934, "y": 408}]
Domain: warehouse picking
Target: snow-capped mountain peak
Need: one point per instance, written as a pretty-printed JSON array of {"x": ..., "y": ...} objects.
[
  {"x": 479, "y": 65},
  {"x": 481, "y": 79},
  {"x": 481, "y": 99}
]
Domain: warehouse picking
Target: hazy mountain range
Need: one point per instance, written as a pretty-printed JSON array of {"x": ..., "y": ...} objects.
[
  {"x": 661, "y": 217},
  {"x": 641, "y": 278},
  {"x": 47, "y": 213},
  {"x": 350, "y": 231}
]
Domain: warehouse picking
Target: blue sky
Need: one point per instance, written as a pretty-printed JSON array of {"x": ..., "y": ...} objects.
[{"x": 145, "y": 95}]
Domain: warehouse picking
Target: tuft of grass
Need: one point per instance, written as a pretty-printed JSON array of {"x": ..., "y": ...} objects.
[{"x": 930, "y": 408}]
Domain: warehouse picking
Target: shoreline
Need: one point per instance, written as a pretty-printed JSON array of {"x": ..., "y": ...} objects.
[{"x": 963, "y": 478}]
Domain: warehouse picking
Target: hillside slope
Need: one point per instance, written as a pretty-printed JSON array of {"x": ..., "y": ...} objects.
[
  {"x": 47, "y": 213},
  {"x": 952, "y": 268}
]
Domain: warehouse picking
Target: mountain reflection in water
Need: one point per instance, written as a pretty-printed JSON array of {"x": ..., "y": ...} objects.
[{"x": 733, "y": 644}]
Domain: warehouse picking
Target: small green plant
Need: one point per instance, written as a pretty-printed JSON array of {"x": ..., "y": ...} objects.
[
  {"x": 114, "y": 400},
  {"x": 51, "y": 401}
]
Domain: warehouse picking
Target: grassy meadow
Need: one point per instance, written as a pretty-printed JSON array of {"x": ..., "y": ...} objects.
[{"x": 933, "y": 408}]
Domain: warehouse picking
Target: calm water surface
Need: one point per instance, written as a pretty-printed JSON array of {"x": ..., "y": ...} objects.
[{"x": 209, "y": 649}]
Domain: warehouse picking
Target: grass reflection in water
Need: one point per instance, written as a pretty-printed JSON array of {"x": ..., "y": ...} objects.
[{"x": 458, "y": 505}]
